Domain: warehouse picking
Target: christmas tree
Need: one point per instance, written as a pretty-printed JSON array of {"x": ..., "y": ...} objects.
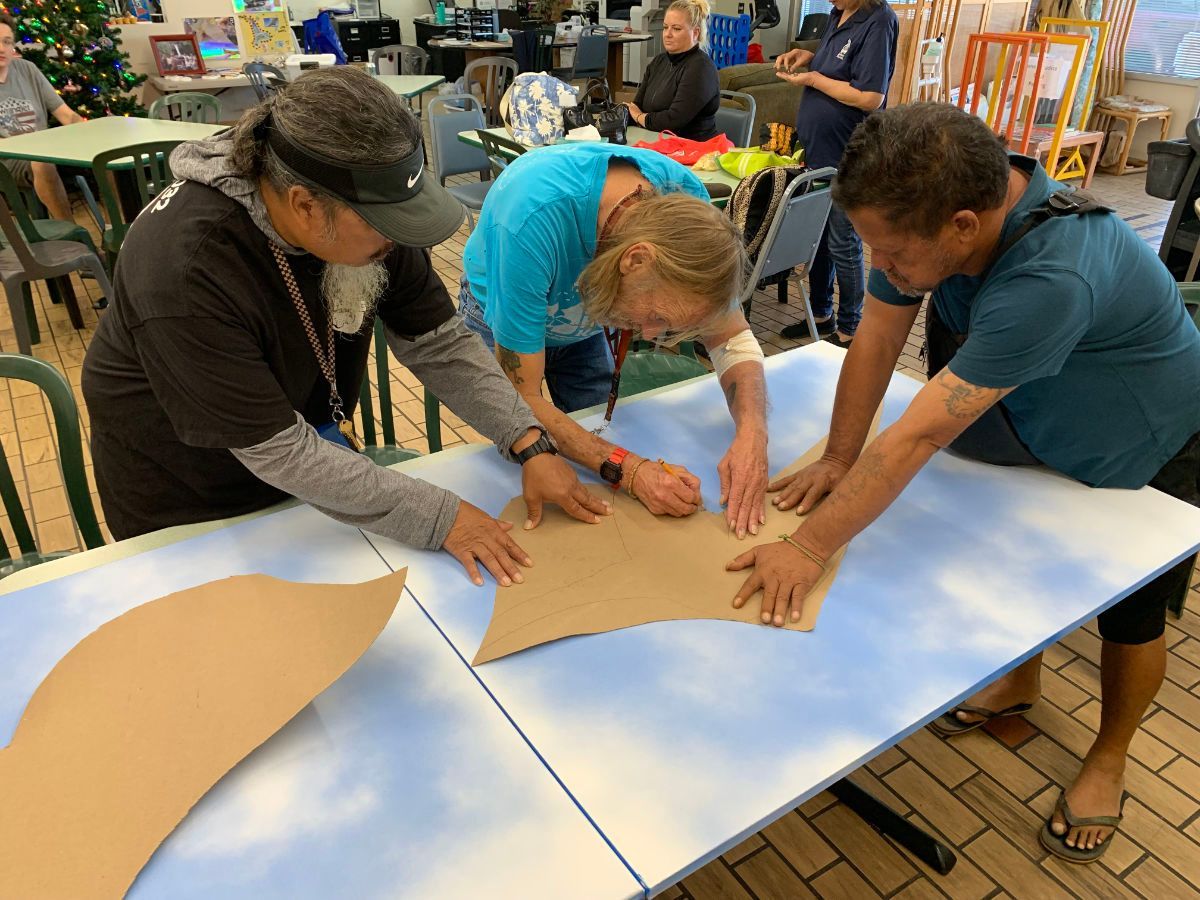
[{"x": 76, "y": 49}]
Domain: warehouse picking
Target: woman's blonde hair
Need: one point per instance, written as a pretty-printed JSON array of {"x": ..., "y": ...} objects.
[
  {"x": 698, "y": 251},
  {"x": 697, "y": 15}
]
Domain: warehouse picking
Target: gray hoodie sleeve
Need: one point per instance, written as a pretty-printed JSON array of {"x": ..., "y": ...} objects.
[
  {"x": 350, "y": 488},
  {"x": 453, "y": 362}
]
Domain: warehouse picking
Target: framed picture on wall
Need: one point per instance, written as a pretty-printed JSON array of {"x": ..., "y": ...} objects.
[{"x": 177, "y": 54}]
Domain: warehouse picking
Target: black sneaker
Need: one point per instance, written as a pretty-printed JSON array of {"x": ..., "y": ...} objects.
[
  {"x": 836, "y": 340},
  {"x": 798, "y": 331}
]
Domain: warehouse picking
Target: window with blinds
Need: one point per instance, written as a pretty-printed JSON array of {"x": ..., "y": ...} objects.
[{"x": 1165, "y": 38}]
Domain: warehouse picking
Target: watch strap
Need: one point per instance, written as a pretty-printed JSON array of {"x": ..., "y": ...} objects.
[{"x": 542, "y": 445}]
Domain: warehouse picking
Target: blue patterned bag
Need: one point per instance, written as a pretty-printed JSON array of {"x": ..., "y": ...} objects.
[{"x": 532, "y": 108}]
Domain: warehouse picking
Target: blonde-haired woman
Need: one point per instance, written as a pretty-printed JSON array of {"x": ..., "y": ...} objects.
[
  {"x": 680, "y": 91},
  {"x": 578, "y": 236}
]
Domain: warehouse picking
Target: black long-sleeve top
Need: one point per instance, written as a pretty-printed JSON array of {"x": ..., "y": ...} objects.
[{"x": 680, "y": 93}]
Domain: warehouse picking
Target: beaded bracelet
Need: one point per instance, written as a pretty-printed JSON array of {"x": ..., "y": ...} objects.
[{"x": 787, "y": 538}]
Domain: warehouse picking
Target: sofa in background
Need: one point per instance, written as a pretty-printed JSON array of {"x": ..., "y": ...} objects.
[{"x": 776, "y": 100}]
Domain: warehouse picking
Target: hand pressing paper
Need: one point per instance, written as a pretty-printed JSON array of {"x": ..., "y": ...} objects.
[
  {"x": 633, "y": 568},
  {"x": 144, "y": 715}
]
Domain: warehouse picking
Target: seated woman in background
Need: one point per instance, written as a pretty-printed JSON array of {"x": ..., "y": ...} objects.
[{"x": 680, "y": 91}]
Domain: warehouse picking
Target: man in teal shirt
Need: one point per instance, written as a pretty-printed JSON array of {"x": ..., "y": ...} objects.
[{"x": 1069, "y": 341}]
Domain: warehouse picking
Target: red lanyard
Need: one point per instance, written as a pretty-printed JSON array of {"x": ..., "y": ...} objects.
[
  {"x": 618, "y": 343},
  {"x": 618, "y": 339}
]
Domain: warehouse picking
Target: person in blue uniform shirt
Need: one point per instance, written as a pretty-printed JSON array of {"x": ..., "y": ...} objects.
[{"x": 847, "y": 80}]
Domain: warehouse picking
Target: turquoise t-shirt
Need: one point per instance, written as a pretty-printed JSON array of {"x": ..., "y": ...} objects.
[
  {"x": 1087, "y": 323},
  {"x": 537, "y": 233}
]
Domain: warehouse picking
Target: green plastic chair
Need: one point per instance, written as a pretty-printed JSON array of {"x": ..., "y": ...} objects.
[
  {"x": 150, "y": 169},
  {"x": 30, "y": 218},
  {"x": 645, "y": 370},
  {"x": 381, "y": 445},
  {"x": 70, "y": 453},
  {"x": 1191, "y": 299},
  {"x": 187, "y": 106}
]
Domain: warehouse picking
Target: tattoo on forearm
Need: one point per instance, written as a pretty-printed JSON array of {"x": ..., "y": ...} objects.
[
  {"x": 510, "y": 362},
  {"x": 966, "y": 401},
  {"x": 730, "y": 393},
  {"x": 866, "y": 471}
]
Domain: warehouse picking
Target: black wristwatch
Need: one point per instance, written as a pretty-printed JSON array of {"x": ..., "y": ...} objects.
[
  {"x": 542, "y": 445},
  {"x": 611, "y": 470}
]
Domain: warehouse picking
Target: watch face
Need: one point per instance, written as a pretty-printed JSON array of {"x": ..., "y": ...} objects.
[{"x": 610, "y": 472}]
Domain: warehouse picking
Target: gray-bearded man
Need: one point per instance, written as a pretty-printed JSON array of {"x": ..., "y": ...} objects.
[{"x": 222, "y": 378}]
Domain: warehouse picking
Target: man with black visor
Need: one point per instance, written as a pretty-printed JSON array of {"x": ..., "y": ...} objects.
[{"x": 225, "y": 374}]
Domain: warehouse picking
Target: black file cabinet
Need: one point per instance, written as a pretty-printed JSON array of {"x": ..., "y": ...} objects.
[{"x": 360, "y": 36}]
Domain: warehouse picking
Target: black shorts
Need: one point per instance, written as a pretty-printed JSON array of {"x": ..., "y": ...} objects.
[{"x": 1141, "y": 617}]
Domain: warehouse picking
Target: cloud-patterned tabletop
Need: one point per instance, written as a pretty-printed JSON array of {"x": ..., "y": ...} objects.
[
  {"x": 680, "y": 738},
  {"x": 403, "y": 779}
]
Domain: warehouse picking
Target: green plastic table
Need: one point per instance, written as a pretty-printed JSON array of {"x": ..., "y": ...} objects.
[
  {"x": 409, "y": 86},
  {"x": 78, "y": 145}
]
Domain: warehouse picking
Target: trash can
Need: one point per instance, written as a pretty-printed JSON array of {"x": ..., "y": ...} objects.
[{"x": 1167, "y": 165}]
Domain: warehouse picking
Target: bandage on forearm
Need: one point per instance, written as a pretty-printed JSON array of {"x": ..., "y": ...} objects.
[{"x": 742, "y": 347}]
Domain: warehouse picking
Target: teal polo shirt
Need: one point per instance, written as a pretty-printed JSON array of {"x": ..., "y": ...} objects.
[{"x": 1082, "y": 318}]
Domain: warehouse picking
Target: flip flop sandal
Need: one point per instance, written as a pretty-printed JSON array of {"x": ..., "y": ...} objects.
[
  {"x": 948, "y": 724},
  {"x": 1057, "y": 844}
]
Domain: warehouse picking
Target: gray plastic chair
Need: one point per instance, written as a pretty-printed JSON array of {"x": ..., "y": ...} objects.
[
  {"x": 737, "y": 122},
  {"x": 449, "y": 115},
  {"x": 22, "y": 263},
  {"x": 793, "y": 237},
  {"x": 263, "y": 78},
  {"x": 187, "y": 106},
  {"x": 591, "y": 54},
  {"x": 495, "y": 74},
  {"x": 404, "y": 59}
]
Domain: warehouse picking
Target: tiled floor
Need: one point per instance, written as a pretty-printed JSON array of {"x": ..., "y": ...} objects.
[{"x": 985, "y": 793}]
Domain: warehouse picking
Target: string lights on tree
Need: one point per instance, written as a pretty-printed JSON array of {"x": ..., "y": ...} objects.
[{"x": 79, "y": 53}]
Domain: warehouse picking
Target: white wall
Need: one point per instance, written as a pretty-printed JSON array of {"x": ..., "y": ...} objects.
[{"x": 1183, "y": 96}]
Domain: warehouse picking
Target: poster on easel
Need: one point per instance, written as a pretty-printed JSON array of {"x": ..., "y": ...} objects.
[{"x": 264, "y": 35}]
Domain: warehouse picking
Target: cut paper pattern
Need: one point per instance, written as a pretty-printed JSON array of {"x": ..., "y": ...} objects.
[
  {"x": 144, "y": 715},
  {"x": 633, "y": 568}
]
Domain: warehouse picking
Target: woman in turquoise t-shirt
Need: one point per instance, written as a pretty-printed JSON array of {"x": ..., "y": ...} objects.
[{"x": 578, "y": 236}]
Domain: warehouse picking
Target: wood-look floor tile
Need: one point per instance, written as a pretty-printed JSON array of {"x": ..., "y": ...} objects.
[
  {"x": 951, "y": 816},
  {"x": 767, "y": 876},
  {"x": 800, "y": 844}
]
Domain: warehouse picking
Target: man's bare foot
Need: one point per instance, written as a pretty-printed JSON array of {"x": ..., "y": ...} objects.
[{"x": 1096, "y": 791}]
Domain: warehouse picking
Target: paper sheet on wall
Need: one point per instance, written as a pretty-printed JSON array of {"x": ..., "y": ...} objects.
[
  {"x": 633, "y": 568},
  {"x": 265, "y": 35},
  {"x": 135, "y": 724}
]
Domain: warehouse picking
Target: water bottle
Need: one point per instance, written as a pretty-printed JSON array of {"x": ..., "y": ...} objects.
[{"x": 441, "y": 12}]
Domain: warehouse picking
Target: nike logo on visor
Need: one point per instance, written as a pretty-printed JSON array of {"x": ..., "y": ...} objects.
[{"x": 412, "y": 179}]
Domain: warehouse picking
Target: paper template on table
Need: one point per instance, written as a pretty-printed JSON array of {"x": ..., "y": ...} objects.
[
  {"x": 633, "y": 568},
  {"x": 144, "y": 715}
]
